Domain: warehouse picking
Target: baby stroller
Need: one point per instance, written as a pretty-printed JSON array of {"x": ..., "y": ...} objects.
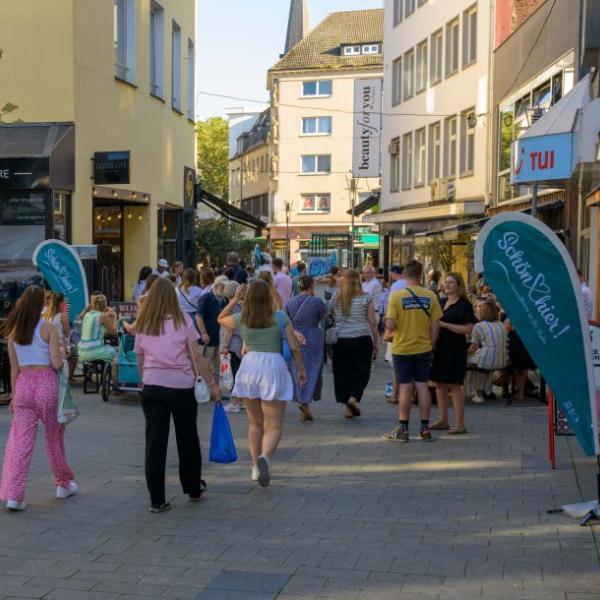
[{"x": 122, "y": 374}]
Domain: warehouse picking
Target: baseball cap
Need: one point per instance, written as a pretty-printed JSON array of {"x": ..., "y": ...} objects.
[
  {"x": 396, "y": 269},
  {"x": 163, "y": 263}
]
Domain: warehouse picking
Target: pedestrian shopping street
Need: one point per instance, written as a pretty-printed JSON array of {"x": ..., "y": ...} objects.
[{"x": 347, "y": 515}]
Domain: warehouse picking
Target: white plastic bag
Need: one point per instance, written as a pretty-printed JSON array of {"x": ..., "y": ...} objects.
[
  {"x": 225, "y": 374},
  {"x": 67, "y": 409}
]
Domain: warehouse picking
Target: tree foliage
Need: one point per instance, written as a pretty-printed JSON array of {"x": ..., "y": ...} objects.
[
  {"x": 214, "y": 239},
  {"x": 438, "y": 252},
  {"x": 213, "y": 155}
]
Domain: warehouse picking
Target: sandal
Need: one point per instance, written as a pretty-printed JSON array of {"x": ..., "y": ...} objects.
[
  {"x": 439, "y": 425},
  {"x": 349, "y": 414},
  {"x": 354, "y": 409},
  {"x": 457, "y": 431},
  {"x": 305, "y": 414}
]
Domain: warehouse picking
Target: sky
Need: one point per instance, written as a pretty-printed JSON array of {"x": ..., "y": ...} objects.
[{"x": 238, "y": 40}]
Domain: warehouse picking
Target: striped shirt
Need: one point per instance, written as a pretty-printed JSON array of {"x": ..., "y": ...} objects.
[
  {"x": 493, "y": 345},
  {"x": 355, "y": 324}
]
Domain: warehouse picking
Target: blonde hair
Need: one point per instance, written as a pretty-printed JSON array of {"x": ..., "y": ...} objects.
[
  {"x": 98, "y": 302},
  {"x": 257, "y": 311},
  {"x": 350, "y": 288},
  {"x": 160, "y": 304},
  {"x": 188, "y": 279},
  {"x": 460, "y": 283},
  {"x": 53, "y": 306},
  {"x": 267, "y": 277}
]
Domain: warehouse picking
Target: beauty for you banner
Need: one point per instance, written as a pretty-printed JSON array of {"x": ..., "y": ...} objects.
[
  {"x": 535, "y": 280},
  {"x": 61, "y": 267}
]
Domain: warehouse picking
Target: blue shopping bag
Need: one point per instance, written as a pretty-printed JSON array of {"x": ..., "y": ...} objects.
[{"x": 222, "y": 446}]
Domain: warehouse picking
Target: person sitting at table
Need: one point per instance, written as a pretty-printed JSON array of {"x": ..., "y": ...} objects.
[{"x": 99, "y": 320}]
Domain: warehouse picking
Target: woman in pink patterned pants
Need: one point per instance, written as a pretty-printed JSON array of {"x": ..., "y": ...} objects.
[{"x": 34, "y": 351}]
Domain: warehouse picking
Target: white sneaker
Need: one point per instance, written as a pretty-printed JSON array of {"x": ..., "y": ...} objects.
[
  {"x": 233, "y": 408},
  {"x": 479, "y": 398},
  {"x": 262, "y": 464},
  {"x": 15, "y": 505},
  {"x": 255, "y": 473},
  {"x": 64, "y": 492}
]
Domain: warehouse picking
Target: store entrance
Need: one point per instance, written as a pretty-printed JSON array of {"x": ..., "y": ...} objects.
[{"x": 109, "y": 230}]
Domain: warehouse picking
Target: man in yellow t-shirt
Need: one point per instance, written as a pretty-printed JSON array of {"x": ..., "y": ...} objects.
[{"x": 413, "y": 315}]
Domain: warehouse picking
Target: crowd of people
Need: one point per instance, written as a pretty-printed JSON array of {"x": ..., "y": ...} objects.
[{"x": 442, "y": 339}]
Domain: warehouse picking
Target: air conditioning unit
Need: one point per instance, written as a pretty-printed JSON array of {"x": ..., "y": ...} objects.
[
  {"x": 394, "y": 147},
  {"x": 439, "y": 189}
]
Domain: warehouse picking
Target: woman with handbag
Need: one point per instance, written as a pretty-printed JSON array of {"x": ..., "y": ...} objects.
[
  {"x": 355, "y": 340},
  {"x": 263, "y": 380},
  {"x": 306, "y": 314},
  {"x": 188, "y": 294},
  {"x": 168, "y": 357}
]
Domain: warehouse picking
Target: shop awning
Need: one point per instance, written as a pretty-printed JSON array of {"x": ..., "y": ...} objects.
[
  {"x": 37, "y": 156},
  {"x": 408, "y": 214},
  {"x": 230, "y": 212},
  {"x": 465, "y": 226},
  {"x": 365, "y": 205}
]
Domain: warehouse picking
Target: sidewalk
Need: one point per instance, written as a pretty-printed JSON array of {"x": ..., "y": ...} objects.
[{"x": 347, "y": 515}]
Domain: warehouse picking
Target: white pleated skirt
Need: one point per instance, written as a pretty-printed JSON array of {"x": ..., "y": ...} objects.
[{"x": 263, "y": 375}]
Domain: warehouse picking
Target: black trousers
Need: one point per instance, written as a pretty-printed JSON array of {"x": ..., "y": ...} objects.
[
  {"x": 351, "y": 367},
  {"x": 158, "y": 404}
]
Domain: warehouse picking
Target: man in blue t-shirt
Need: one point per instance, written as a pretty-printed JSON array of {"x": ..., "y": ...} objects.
[{"x": 210, "y": 306}]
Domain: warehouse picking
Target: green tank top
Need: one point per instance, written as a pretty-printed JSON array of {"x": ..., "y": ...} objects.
[{"x": 92, "y": 330}]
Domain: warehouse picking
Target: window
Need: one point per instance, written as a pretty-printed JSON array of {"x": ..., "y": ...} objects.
[
  {"x": 319, "y": 203},
  {"x": 176, "y": 67},
  {"x": 421, "y": 83},
  {"x": 191, "y": 81},
  {"x": 370, "y": 49},
  {"x": 420, "y": 157},
  {"x": 316, "y": 163},
  {"x": 435, "y": 150},
  {"x": 467, "y": 141},
  {"x": 394, "y": 165},
  {"x": 452, "y": 47},
  {"x": 321, "y": 87},
  {"x": 124, "y": 39},
  {"x": 409, "y": 74},
  {"x": 350, "y": 50},
  {"x": 397, "y": 81},
  {"x": 421, "y": 3},
  {"x": 316, "y": 126},
  {"x": 398, "y": 12},
  {"x": 436, "y": 57},
  {"x": 407, "y": 160},
  {"x": 409, "y": 7},
  {"x": 450, "y": 141},
  {"x": 469, "y": 36},
  {"x": 157, "y": 50}
]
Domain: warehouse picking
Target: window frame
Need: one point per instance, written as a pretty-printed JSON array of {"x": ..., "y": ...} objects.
[
  {"x": 318, "y": 83},
  {"x": 124, "y": 45},
  {"x": 467, "y": 143},
  {"x": 156, "y": 52},
  {"x": 408, "y": 74},
  {"x": 398, "y": 12},
  {"x": 317, "y": 128},
  {"x": 370, "y": 49},
  {"x": 397, "y": 78},
  {"x": 315, "y": 197},
  {"x": 467, "y": 42},
  {"x": 422, "y": 66},
  {"x": 436, "y": 57},
  {"x": 434, "y": 159},
  {"x": 316, "y": 158},
  {"x": 410, "y": 6},
  {"x": 351, "y": 50},
  {"x": 407, "y": 160},
  {"x": 176, "y": 87},
  {"x": 450, "y": 140},
  {"x": 452, "y": 50},
  {"x": 420, "y": 157},
  {"x": 395, "y": 167},
  {"x": 191, "y": 81}
]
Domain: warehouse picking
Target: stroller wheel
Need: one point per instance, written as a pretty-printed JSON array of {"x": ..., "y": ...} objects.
[{"x": 106, "y": 381}]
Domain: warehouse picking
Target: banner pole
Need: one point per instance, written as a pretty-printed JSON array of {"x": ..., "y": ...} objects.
[{"x": 551, "y": 445}]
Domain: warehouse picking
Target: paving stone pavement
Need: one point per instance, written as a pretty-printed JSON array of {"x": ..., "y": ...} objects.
[{"x": 347, "y": 516}]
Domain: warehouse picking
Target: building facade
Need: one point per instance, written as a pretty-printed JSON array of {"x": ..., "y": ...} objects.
[
  {"x": 108, "y": 89},
  {"x": 435, "y": 130},
  {"x": 311, "y": 140}
]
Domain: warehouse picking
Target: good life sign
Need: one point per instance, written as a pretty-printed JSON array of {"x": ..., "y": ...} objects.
[
  {"x": 366, "y": 155},
  {"x": 535, "y": 280}
]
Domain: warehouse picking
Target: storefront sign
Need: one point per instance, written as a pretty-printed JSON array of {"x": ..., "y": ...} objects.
[
  {"x": 111, "y": 167},
  {"x": 24, "y": 173},
  {"x": 535, "y": 280},
  {"x": 279, "y": 245},
  {"x": 366, "y": 156},
  {"x": 542, "y": 158},
  {"x": 189, "y": 183},
  {"x": 125, "y": 310},
  {"x": 62, "y": 269}
]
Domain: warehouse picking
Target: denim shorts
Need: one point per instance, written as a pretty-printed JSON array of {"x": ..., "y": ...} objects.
[{"x": 409, "y": 368}]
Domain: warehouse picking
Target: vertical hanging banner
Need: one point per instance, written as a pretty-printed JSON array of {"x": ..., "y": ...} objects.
[
  {"x": 366, "y": 154},
  {"x": 62, "y": 269},
  {"x": 535, "y": 280}
]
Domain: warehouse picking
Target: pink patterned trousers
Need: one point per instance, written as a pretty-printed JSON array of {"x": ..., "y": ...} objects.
[{"x": 35, "y": 399}]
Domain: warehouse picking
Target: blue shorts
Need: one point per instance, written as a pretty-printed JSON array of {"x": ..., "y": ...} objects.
[{"x": 412, "y": 368}]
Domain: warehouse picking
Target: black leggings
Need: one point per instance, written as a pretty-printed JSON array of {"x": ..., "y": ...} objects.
[
  {"x": 159, "y": 403},
  {"x": 351, "y": 367}
]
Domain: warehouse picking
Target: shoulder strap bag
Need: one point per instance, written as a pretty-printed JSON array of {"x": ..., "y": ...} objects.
[
  {"x": 286, "y": 351},
  {"x": 418, "y": 302}
]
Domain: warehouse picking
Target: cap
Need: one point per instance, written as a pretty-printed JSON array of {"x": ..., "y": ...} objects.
[
  {"x": 163, "y": 263},
  {"x": 396, "y": 269}
]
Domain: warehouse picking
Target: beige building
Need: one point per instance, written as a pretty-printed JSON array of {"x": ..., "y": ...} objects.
[
  {"x": 117, "y": 77},
  {"x": 312, "y": 104}
]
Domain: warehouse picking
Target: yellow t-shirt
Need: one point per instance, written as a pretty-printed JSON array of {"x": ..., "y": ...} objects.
[{"x": 413, "y": 327}]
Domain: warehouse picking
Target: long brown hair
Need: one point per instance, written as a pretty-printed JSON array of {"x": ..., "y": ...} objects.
[
  {"x": 188, "y": 279},
  {"x": 160, "y": 304},
  {"x": 53, "y": 307},
  {"x": 267, "y": 277},
  {"x": 460, "y": 284},
  {"x": 150, "y": 280},
  {"x": 23, "y": 319},
  {"x": 350, "y": 288},
  {"x": 257, "y": 312}
]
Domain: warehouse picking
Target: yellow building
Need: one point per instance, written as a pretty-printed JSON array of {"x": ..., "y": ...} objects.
[{"x": 106, "y": 151}]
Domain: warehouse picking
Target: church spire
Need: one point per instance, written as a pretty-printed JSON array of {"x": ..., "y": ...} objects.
[{"x": 298, "y": 24}]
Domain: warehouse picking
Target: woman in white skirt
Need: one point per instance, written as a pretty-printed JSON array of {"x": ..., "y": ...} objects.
[{"x": 263, "y": 379}]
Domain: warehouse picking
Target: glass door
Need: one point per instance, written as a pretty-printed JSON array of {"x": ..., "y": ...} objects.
[{"x": 109, "y": 231}]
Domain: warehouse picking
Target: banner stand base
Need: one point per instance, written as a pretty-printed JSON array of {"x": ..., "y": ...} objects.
[{"x": 586, "y": 511}]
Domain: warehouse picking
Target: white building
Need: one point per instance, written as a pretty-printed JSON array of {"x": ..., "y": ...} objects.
[{"x": 435, "y": 124}]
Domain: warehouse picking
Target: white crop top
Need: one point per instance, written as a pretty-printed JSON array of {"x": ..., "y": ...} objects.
[{"x": 37, "y": 353}]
